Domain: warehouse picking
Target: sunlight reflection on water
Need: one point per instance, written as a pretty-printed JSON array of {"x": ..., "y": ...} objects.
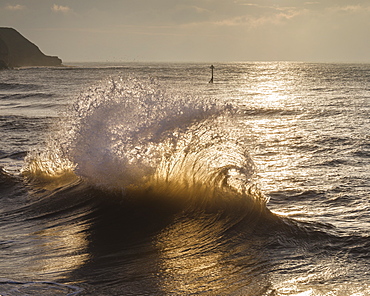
[{"x": 63, "y": 249}]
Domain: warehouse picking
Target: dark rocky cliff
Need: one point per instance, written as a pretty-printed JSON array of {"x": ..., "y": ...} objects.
[{"x": 17, "y": 51}]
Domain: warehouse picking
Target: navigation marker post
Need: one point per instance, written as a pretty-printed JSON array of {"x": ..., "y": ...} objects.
[{"x": 212, "y": 67}]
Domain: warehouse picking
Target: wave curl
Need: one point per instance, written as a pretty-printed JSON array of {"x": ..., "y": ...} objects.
[{"x": 133, "y": 135}]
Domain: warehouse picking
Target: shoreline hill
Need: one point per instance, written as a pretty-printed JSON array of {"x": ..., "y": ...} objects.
[{"x": 17, "y": 51}]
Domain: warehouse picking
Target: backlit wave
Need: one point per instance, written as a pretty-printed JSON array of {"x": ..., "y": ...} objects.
[{"x": 134, "y": 135}]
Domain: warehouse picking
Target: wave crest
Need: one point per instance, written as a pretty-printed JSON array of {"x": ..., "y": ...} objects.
[{"x": 134, "y": 135}]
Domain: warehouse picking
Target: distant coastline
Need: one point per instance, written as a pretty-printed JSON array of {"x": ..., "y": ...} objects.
[{"x": 17, "y": 51}]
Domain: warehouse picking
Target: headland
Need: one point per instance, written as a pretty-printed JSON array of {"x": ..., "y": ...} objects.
[{"x": 17, "y": 51}]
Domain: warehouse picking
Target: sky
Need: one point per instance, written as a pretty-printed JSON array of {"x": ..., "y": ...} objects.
[{"x": 194, "y": 30}]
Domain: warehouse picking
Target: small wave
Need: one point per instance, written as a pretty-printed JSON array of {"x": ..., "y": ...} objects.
[
  {"x": 15, "y": 155},
  {"x": 12, "y": 287},
  {"x": 14, "y": 123},
  {"x": 26, "y": 95},
  {"x": 18, "y": 86},
  {"x": 269, "y": 112},
  {"x": 6, "y": 180}
]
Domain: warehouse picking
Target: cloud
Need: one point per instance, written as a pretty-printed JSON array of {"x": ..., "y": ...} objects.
[
  {"x": 60, "y": 9},
  {"x": 15, "y": 7},
  {"x": 351, "y": 8},
  {"x": 279, "y": 16},
  {"x": 348, "y": 10}
]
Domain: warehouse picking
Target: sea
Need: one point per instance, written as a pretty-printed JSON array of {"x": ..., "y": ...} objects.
[{"x": 146, "y": 179}]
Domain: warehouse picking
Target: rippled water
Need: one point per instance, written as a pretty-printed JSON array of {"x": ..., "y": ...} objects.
[{"x": 144, "y": 179}]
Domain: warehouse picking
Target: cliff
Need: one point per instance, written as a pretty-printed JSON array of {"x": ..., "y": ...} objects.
[{"x": 17, "y": 51}]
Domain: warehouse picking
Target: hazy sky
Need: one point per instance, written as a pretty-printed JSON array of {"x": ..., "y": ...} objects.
[{"x": 194, "y": 30}]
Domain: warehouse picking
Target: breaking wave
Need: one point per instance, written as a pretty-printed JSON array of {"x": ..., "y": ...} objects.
[{"x": 136, "y": 137}]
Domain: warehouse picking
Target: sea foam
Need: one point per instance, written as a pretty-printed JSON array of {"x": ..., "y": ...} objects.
[{"x": 134, "y": 134}]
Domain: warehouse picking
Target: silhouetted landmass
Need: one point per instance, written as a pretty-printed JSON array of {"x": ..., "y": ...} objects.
[
  {"x": 17, "y": 51},
  {"x": 3, "y": 65}
]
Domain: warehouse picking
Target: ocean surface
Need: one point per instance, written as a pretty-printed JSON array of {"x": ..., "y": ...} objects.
[{"x": 145, "y": 179}]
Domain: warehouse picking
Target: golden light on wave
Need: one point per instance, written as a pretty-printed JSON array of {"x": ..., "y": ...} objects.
[
  {"x": 275, "y": 88},
  {"x": 49, "y": 169},
  {"x": 271, "y": 92},
  {"x": 321, "y": 284},
  {"x": 196, "y": 256},
  {"x": 63, "y": 249},
  {"x": 277, "y": 161},
  {"x": 189, "y": 254}
]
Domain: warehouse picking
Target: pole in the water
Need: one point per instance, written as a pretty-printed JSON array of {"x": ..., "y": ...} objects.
[{"x": 212, "y": 67}]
